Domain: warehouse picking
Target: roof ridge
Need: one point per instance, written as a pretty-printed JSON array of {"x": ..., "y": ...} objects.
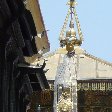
[
  {"x": 49, "y": 54},
  {"x": 99, "y": 59}
]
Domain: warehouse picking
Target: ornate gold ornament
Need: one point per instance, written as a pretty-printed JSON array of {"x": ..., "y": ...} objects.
[
  {"x": 65, "y": 104},
  {"x": 70, "y": 39}
]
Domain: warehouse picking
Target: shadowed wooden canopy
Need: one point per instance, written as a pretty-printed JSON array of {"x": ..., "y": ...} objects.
[{"x": 41, "y": 43}]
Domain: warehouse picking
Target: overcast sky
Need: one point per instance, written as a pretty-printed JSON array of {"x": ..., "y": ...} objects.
[{"x": 95, "y": 17}]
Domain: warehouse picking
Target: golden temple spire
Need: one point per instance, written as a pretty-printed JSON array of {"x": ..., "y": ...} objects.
[{"x": 69, "y": 38}]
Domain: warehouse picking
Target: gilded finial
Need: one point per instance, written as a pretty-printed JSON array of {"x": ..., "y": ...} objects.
[{"x": 70, "y": 39}]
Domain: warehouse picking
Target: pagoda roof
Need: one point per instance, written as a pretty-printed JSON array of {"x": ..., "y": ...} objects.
[
  {"x": 42, "y": 43},
  {"x": 35, "y": 9},
  {"x": 89, "y": 66}
]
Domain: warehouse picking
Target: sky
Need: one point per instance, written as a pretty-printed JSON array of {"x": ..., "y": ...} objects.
[{"x": 95, "y": 18}]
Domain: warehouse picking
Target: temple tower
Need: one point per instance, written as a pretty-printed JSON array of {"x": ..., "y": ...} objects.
[
  {"x": 82, "y": 82},
  {"x": 65, "y": 86}
]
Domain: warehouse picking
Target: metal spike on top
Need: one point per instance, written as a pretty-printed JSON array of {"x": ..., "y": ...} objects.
[{"x": 72, "y": 3}]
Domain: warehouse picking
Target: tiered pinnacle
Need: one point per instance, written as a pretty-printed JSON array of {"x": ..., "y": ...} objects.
[
  {"x": 65, "y": 85},
  {"x": 69, "y": 38}
]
